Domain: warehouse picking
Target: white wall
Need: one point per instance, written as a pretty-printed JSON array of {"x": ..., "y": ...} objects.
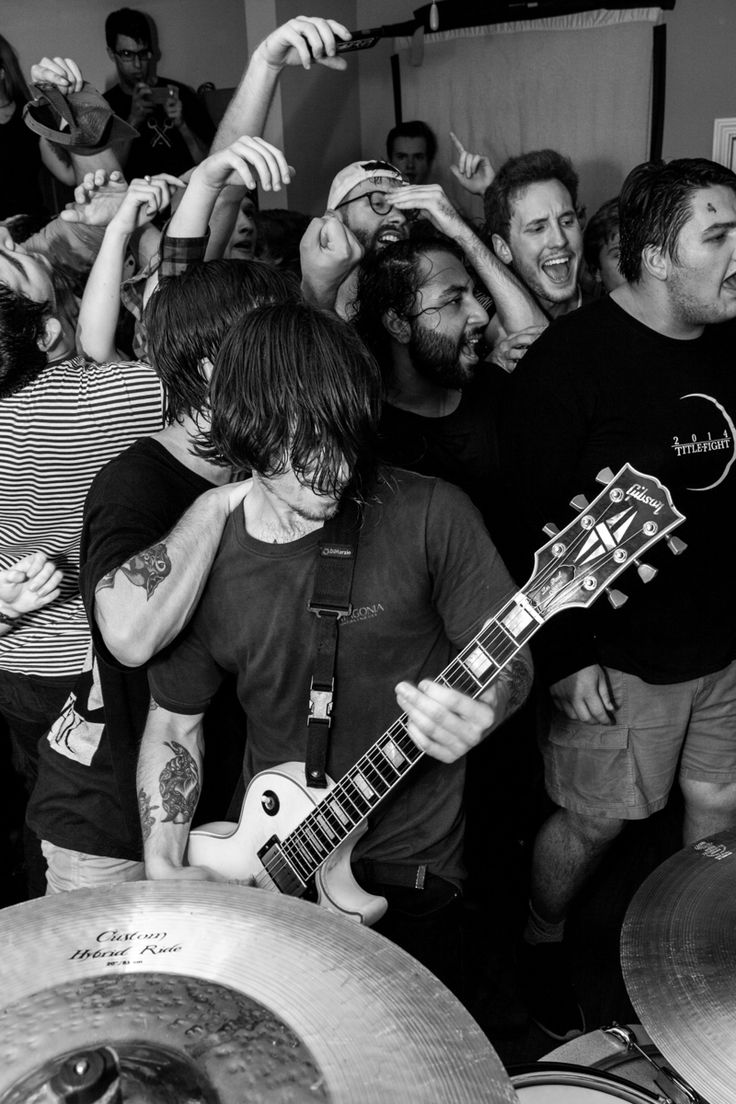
[{"x": 199, "y": 41}]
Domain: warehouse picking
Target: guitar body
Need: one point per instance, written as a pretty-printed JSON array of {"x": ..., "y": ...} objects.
[
  {"x": 284, "y": 825},
  {"x": 275, "y": 804}
]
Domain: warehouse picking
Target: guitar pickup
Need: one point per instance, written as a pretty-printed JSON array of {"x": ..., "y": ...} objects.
[{"x": 279, "y": 869}]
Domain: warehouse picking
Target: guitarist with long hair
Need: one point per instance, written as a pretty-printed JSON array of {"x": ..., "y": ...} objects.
[{"x": 295, "y": 398}]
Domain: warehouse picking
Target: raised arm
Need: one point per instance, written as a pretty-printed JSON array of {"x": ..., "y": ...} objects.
[
  {"x": 515, "y": 306},
  {"x": 100, "y": 307},
  {"x": 66, "y": 75},
  {"x": 142, "y": 605},
  {"x": 298, "y": 42}
]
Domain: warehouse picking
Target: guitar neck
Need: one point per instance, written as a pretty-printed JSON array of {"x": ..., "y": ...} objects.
[{"x": 384, "y": 765}]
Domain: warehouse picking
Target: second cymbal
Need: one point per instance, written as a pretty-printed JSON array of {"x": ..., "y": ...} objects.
[{"x": 678, "y": 953}]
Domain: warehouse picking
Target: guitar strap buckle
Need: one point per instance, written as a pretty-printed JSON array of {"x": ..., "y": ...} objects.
[{"x": 320, "y": 704}]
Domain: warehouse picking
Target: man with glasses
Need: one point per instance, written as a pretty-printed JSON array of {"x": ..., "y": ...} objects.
[
  {"x": 174, "y": 127},
  {"x": 371, "y": 206}
]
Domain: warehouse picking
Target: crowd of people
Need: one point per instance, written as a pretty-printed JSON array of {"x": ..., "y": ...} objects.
[{"x": 266, "y": 479}]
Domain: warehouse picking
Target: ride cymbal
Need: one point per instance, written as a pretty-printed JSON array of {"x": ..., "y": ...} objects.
[
  {"x": 678, "y": 953},
  {"x": 231, "y": 994}
]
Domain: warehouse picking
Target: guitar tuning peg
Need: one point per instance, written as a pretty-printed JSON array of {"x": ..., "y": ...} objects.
[
  {"x": 550, "y": 529},
  {"x": 646, "y": 571},
  {"x": 616, "y": 597},
  {"x": 605, "y": 475},
  {"x": 675, "y": 545},
  {"x": 579, "y": 502}
]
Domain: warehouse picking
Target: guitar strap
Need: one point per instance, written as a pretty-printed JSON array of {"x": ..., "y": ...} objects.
[{"x": 330, "y": 602}]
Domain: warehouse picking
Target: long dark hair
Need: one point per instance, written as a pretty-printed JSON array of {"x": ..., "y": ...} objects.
[
  {"x": 14, "y": 80},
  {"x": 189, "y": 315},
  {"x": 295, "y": 386}
]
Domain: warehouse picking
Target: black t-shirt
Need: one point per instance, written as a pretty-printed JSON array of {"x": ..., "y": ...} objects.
[
  {"x": 160, "y": 147},
  {"x": 599, "y": 389},
  {"x": 20, "y": 190},
  {"x": 461, "y": 447},
  {"x": 85, "y": 798}
]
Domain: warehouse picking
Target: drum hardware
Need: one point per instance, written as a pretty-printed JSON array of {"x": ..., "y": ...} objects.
[{"x": 625, "y": 1036}]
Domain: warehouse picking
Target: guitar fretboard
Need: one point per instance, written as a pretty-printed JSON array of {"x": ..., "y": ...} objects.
[{"x": 384, "y": 765}]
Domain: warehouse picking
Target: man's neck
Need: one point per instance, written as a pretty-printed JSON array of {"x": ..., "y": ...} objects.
[
  {"x": 178, "y": 439},
  {"x": 650, "y": 305},
  {"x": 556, "y": 310},
  {"x": 411, "y": 391},
  {"x": 269, "y": 519}
]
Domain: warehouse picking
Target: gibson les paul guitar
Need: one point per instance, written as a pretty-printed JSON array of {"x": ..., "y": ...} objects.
[{"x": 298, "y": 841}]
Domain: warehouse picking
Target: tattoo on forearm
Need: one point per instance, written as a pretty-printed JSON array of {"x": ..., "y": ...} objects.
[
  {"x": 179, "y": 786},
  {"x": 145, "y": 809},
  {"x": 518, "y": 678},
  {"x": 107, "y": 581},
  {"x": 149, "y": 568}
]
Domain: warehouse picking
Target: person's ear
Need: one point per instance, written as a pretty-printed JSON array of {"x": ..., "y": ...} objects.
[
  {"x": 398, "y": 327},
  {"x": 207, "y": 366},
  {"x": 50, "y": 334},
  {"x": 501, "y": 249},
  {"x": 655, "y": 262}
]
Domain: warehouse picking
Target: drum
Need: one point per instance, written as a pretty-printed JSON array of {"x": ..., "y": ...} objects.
[
  {"x": 561, "y": 1083},
  {"x": 627, "y": 1054}
]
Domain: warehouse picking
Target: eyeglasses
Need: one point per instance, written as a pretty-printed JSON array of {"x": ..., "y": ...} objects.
[
  {"x": 131, "y": 55},
  {"x": 379, "y": 202}
]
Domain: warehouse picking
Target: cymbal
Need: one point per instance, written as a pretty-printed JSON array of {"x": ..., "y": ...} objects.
[
  {"x": 237, "y": 993},
  {"x": 678, "y": 953}
]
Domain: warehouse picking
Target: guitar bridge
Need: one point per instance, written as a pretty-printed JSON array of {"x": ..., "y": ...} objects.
[{"x": 280, "y": 870}]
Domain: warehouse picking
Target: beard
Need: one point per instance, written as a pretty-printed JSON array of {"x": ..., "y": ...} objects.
[{"x": 436, "y": 358}]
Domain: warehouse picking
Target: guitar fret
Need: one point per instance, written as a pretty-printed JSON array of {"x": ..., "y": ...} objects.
[
  {"x": 479, "y": 664},
  {"x": 324, "y": 825},
  {"x": 393, "y": 754}
]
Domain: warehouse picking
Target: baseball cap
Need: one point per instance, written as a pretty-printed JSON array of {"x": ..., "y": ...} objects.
[
  {"x": 90, "y": 122},
  {"x": 357, "y": 173}
]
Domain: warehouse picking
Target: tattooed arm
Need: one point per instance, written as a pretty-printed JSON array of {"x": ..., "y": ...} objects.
[
  {"x": 143, "y": 604},
  {"x": 169, "y": 784}
]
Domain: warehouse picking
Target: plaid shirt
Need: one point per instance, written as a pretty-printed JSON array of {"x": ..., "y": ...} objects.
[{"x": 174, "y": 258}]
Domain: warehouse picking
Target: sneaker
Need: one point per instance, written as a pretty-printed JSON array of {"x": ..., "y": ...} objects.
[{"x": 553, "y": 1005}]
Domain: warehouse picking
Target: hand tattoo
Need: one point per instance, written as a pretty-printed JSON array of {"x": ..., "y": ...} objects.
[
  {"x": 179, "y": 786},
  {"x": 149, "y": 568},
  {"x": 145, "y": 809}
]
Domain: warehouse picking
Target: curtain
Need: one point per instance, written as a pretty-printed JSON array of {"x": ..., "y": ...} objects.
[{"x": 580, "y": 84}]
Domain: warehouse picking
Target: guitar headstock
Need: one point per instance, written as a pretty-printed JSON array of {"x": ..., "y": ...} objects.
[{"x": 577, "y": 565}]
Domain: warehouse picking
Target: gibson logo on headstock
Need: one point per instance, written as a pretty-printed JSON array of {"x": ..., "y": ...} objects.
[{"x": 640, "y": 494}]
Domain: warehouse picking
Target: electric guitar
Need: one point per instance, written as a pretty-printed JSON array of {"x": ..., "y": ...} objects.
[{"x": 298, "y": 840}]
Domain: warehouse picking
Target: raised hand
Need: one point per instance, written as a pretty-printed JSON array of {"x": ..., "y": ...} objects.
[
  {"x": 96, "y": 198},
  {"x": 473, "y": 170},
  {"x": 303, "y": 40},
  {"x": 250, "y": 161},
  {"x": 144, "y": 199},
  {"x": 141, "y": 104},
  {"x": 62, "y": 72},
  {"x": 329, "y": 252}
]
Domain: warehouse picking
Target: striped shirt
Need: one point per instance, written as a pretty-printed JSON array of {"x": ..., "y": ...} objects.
[{"x": 55, "y": 435}]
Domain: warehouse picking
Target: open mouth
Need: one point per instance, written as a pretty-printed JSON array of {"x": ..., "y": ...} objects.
[
  {"x": 471, "y": 347},
  {"x": 392, "y": 234},
  {"x": 558, "y": 269}
]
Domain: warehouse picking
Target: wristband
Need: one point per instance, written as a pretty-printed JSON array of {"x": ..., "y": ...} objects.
[{"x": 5, "y": 620}]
